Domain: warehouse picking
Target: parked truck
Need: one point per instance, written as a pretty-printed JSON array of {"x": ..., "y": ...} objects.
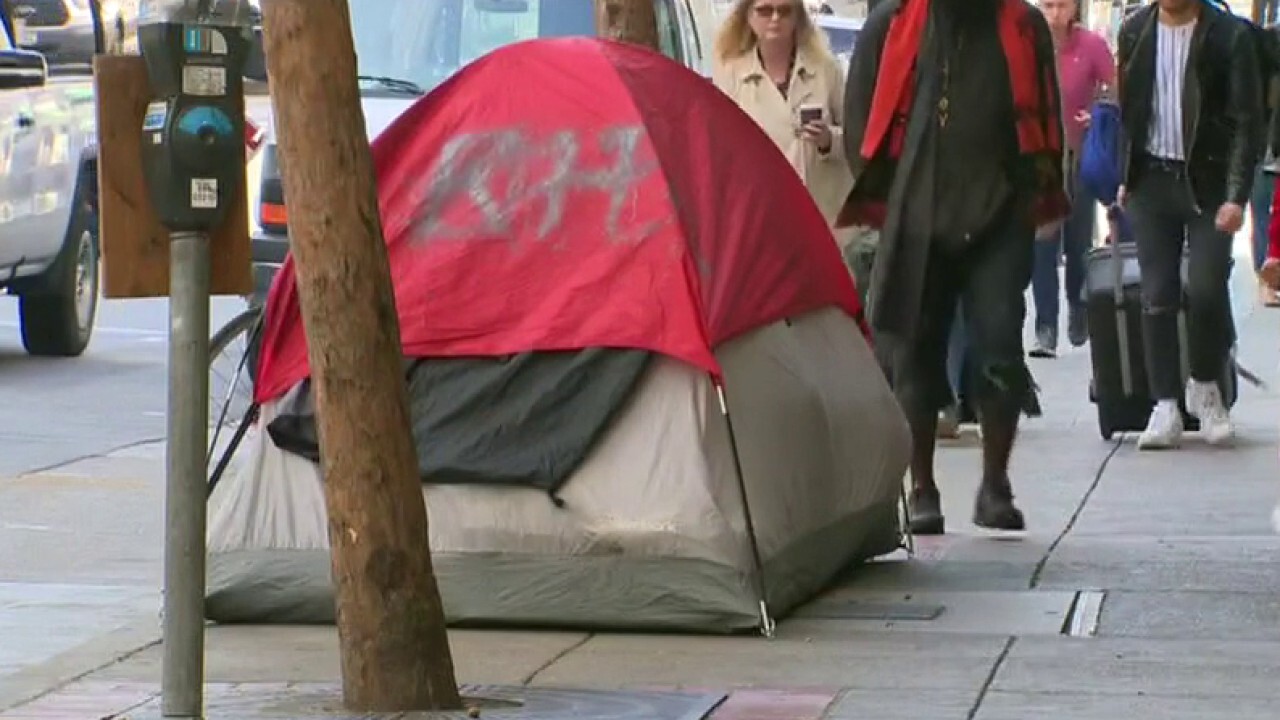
[{"x": 48, "y": 199}]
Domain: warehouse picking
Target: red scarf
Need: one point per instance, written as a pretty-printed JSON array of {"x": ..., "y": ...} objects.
[{"x": 1036, "y": 110}]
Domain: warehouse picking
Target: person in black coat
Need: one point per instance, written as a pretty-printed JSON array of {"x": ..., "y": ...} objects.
[{"x": 959, "y": 163}]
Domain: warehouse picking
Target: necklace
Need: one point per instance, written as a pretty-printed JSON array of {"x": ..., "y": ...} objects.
[{"x": 783, "y": 85}]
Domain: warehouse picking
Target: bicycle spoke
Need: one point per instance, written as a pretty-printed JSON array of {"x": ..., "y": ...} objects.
[{"x": 233, "y": 344}]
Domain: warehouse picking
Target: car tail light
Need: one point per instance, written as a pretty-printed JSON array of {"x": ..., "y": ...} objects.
[
  {"x": 254, "y": 135},
  {"x": 273, "y": 216}
]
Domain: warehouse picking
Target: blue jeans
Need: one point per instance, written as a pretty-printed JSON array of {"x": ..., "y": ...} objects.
[
  {"x": 1072, "y": 243},
  {"x": 1260, "y": 208}
]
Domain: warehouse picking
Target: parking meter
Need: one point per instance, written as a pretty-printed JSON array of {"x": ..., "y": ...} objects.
[{"x": 193, "y": 130}]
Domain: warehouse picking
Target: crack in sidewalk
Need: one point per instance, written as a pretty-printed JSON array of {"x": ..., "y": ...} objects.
[
  {"x": 991, "y": 677},
  {"x": 66, "y": 682},
  {"x": 1075, "y": 516},
  {"x": 51, "y": 467},
  {"x": 528, "y": 680}
]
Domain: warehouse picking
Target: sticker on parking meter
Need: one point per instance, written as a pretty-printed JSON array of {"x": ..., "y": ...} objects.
[
  {"x": 204, "y": 193},
  {"x": 157, "y": 113},
  {"x": 204, "y": 80},
  {"x": 203, "y": 40}
]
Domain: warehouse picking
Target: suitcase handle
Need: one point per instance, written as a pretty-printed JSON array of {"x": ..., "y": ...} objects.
[{"x": 1117, "y": 289}]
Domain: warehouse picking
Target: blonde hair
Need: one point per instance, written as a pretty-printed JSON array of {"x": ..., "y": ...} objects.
[{"x": 736, "y": 39}]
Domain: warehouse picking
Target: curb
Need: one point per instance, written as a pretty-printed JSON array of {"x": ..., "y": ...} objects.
[{"x": 32, "y": 683}]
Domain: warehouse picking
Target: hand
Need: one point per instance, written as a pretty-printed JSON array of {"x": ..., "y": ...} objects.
[
  {"x": 1230, "y": 218},
  {"x": 1084, "y": 117},
  {"x": 1270, "y": 273},
  {"x": 1050, "y": 231},
  {"x": 1122, "y": 196},
  {"x": 819, "y": 133}
]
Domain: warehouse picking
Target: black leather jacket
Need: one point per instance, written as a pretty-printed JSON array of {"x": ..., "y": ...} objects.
[{"x": 1222, "y": 110}]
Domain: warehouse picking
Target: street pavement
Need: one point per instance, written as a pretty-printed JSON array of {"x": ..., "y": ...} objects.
[
  {"x": 1145, "y": 587},
  {"x": 81, "y": 483},
  {"x": 81, "y": 502}
]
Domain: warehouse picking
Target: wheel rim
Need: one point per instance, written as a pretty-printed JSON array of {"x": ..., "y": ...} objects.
[
  {"x": 230, "y": 392},
  {"x": 86, "y": 282},
  {"x": 230, "y": 381}
]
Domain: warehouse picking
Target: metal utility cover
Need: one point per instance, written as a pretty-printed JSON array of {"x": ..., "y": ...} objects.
[
  {"x": 1085, "y": 614},
  {"x": 1026, "y": 612},
  {"x": 872, "y": 610}
]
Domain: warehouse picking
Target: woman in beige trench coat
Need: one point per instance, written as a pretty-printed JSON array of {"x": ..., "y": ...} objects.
[{"x": 776, "y": 65}]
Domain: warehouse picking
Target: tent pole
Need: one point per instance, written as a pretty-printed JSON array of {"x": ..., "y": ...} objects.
[
  {"x": 250, "y": 417},
  {"x": 767, "y": 624},
  {"x": 907, "y": 539}
]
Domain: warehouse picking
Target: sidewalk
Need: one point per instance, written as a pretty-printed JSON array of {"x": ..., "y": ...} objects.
[{"x": 1145, "y": 589}]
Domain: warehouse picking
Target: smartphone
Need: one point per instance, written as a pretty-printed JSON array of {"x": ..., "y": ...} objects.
[{"x": 810, "y": 113}]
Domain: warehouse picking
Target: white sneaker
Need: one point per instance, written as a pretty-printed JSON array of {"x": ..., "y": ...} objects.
[
  {"x": 1164, "y": 429},
  {"x": 1204, "y": 401}
]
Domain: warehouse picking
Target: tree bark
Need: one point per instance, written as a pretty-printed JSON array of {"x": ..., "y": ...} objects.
[
  {"x": 632, "y": 21},
  {"x": 395, "y": 651}
]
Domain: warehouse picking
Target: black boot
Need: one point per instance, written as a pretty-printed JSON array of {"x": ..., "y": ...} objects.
[
  {"x": 925, "y": 512},
  {"x": 924, "y": 507},
  {"x": 994, "y": 508}
]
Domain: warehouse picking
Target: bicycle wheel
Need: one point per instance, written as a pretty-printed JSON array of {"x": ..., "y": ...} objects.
[{"x": 232, "y": 361}]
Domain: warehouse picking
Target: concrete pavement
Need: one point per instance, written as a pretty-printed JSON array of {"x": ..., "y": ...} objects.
[
  {"x": 81, "y": 494},
  {"x": 1145, "y": 588}
]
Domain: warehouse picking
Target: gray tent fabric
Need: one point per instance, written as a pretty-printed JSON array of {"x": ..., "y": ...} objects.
[
  {"x": 526, "y": 419},
  {"x": 653, "y": 532}
]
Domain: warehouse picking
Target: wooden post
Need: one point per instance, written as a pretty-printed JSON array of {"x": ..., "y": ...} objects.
[
  {"x": 630, "y": 21},
  {"x": 395, "y": 652}
]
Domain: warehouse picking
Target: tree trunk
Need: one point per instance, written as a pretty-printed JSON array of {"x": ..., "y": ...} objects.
[
  {"x": 630, "y": 21},
  {"x": 395, "y": 652}
]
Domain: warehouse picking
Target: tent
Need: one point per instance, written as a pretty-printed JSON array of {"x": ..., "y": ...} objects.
[{"x": 656, "y": 411}]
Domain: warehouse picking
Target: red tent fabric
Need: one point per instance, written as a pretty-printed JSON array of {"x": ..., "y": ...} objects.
[{"x": 573, "y": 193}]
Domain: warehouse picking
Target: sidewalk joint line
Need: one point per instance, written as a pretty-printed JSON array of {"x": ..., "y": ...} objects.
[
  {"x": 91, "y": 456},
  {"x": 68, "y": 682},
  {"x": 1075, "y": 516},
  {"x": 991, "y": 677},
  {"x": 528, "y": 680}
]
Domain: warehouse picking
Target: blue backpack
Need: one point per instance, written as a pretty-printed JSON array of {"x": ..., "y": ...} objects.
[{"x": 1102, "y": 155}]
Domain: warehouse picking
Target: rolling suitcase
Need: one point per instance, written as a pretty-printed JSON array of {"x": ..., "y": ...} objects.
[{"x": 1114, "y": 307}]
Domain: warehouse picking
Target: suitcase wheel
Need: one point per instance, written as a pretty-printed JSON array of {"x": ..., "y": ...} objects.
[{"x": 1105, "y": 427}]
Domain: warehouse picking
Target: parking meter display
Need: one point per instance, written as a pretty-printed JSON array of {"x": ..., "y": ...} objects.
[{"x": 204, "y": 80}]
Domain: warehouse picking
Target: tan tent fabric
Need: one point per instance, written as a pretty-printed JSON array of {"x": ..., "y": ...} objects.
[{"x": 652, "y": 533}]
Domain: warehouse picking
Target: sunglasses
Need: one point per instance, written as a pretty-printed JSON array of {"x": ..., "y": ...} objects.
[{"x": 768, "y": 11}]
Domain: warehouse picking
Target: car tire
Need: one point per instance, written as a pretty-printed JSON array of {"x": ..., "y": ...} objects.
[{"x": 57, "y": 318}]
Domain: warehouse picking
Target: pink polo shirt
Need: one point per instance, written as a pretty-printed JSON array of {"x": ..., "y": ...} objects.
[{"x": 1084, "y": 63}]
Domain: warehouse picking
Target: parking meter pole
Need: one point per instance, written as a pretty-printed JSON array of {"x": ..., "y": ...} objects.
[
  {"x": 182, "y": 683},
  {"x": 193, "y": 161}
]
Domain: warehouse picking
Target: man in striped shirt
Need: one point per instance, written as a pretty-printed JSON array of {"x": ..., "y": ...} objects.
[{"x": 1191, "y": 100}]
